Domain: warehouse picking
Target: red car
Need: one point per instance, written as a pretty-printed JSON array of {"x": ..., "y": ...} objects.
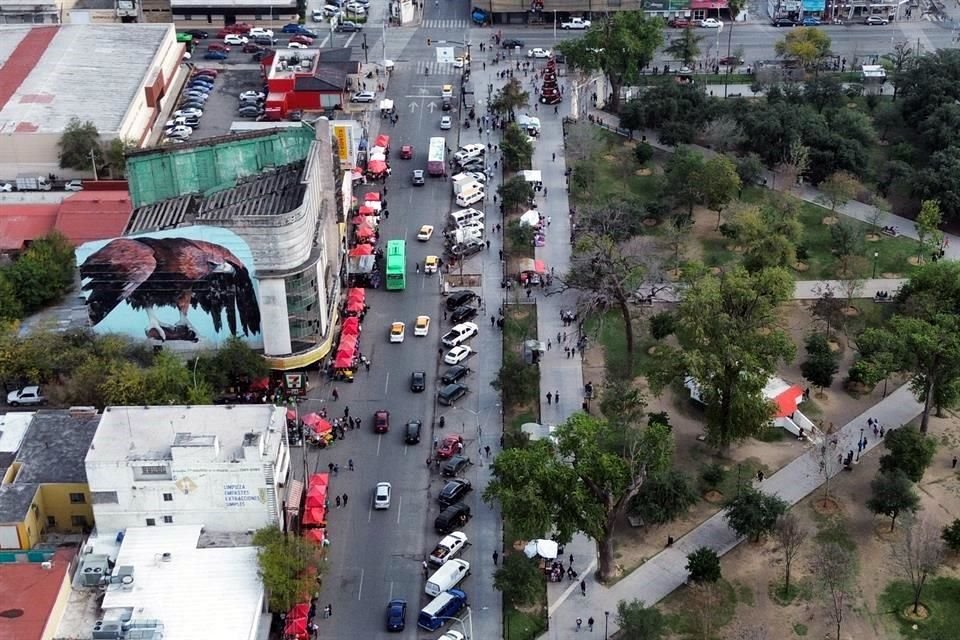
[
  {"x": 451, "y": 445},
  {"x": 406, "y": 152},
  {"x": 216, "y": 46},
  {"x": 381, "y": 421},
  {"x": 205, "y": 72},
  {"x": 680, "y": 23},
  {"x": 252, "y": 47},
  {"x": 307, "y": 40}
]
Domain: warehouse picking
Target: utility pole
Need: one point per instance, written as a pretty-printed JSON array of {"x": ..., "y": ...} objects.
[
  {"x": 366, "y": 57},
  {"x": 93, "y": 161}
]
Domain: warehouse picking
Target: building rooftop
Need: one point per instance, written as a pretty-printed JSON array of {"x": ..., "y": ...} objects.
[
  {"x": 49, "y": 75},
  {"x": 149, "y": 433},
  {"x": 55, "y": 446},
  {"x": 213, "y": 593},
  {"x": 13, "y": 426},
  {"x": 15, "y": 499},
  {"x": 81, "y": 217},
  {"x": 273, "y": 192},
  {"x": 32, "y": 589}
]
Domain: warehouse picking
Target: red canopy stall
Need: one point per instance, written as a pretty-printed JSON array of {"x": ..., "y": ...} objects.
[
  {"x": 373, "y": 196},
  {"x": 351, "y": 326},
  {"x": 295, "y": 627}
]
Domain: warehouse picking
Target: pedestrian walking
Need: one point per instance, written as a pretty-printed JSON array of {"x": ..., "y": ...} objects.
[
  {"x": 346, "y": 411},
  {"x": 553, "y": 157},
  {"x": 350, "y": 464},
  {"x": 328, "y": 611},
  {"x": 443, "y": 421},
  {"x": 496, "y": 556},
  {"x": 579, "y": 624},
  {"x": 571, "y": 559},
  {"x": 556, "y": 396},
  {"x": 330, "y": 467},
  {"x": 338, "y": 502},
  {"x": 590, "y": 623},
  {"x": 366, "y": 362},
  {"x": 344, "y": 499},
  {"x": 425, "y": 569},
  {"x": 336, "y": 469},
  {"x": 954, "y": 464},
  {"x": 549, "y": 344},
  {"x": 549, "y": 397},
  {"x": 335, "y": 394},
  {"x": 583, "y": 587},
  {"x": 486, "y": 450}
]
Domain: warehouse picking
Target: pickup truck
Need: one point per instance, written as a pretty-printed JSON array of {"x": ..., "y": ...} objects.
[
  {"x": 575, "y": 23},
  {"x": 447, "y": 548}
]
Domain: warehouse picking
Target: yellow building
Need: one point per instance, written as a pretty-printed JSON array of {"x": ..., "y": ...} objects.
[{"x": 45, "y": 487}]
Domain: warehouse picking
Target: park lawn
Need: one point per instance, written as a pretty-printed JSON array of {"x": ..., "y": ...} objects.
[
  {"x": 616, "y": 174},
  {"x": 941, "y": 596},
  {"x": 685, "y": 611},
  {"x": 607, "y": 329}
]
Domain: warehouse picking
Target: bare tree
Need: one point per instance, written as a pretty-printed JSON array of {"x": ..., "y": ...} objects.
[
  {"x": 919, "y": 555},
  {"x": 791, "y": 535},
  {"x": 830, "y": 461},
  {"x": 835, "y": 568},
  {"x": 583, "y": 141},
  {"x": 795, "y": 162},
  {"x": 707, "y": 597},
  {"x": 827, "y": 308},
  {"x": 722, "y": 134},
  {"x": 851, "y": 287}
]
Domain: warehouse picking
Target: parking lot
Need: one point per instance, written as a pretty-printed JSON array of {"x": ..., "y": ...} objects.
[{"x": 220, "y": 110}]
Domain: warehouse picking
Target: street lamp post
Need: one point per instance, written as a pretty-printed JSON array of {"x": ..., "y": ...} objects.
[
  {"x": 606, "y": 622},
  {"x": 463, "y": 626},
  {"x": 876, "y": 254}
]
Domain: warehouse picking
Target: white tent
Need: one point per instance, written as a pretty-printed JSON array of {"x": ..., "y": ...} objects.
[
  {"x": 532, "y": 176},
  {"x": 544, "y": 548},
  {"x": 530, "y": 218},
  {"x": 386, "y": 105}
]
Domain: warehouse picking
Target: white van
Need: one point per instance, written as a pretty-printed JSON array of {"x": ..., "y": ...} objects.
[
  {"x": 465, "y": 216},
  {"x": 447, "y": 577},
  {"x": 468, "y": 198}
]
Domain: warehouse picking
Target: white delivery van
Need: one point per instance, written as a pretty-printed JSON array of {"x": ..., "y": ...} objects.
[
  {"x": 460, "y": 181},
  {"x": 447, "y": 577},
  {"x": 465, "y": 216},
  {"x": 469, "y": 197}
]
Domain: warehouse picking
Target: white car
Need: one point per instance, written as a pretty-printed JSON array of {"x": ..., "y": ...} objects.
[
  {"x": 296, "y": 45},
  {"x": 363, "y": 96},
  {"x": 355, "y": 9},
  {"x": 479, "y": 177},
  {"x": 538, "y": 52},
  {"x": 458, "y": 62},
  {"x": 459, "y": 334},
  {"x": 73, "y": 185},
  {"x": 331, "y": 10},
  {"x": 381, "y": 495},
  {"x": 186, "y": 113},
  {"x": 6, "y": 187},
  {"x": 711, "y": 23},
  {"x": 575, "y": 23},
  {"x": 397, "y": 331},
  {"x": 252, "y": 95},
  {"x": 422, "y": 326},
  {"x": 452, "y": 635},
  {"x": 31, "y": 395},
  {"x": 468, "y": 151},
  {"x": 425, "y": 233},
  {"x": 260, "y": 31},
  {"x": 180, "y": 131},
  {"x": 446, "y": 122},
  {"x": 234, "y": 38},
  {"x": 457, "y": 354}
]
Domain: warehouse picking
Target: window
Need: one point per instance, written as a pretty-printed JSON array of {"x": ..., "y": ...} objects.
[
  {"x": 104, "y": 497},
  {"x": 51, "y": 521},
  {"x": 153, "y": 470},
  {"x": 168, "y": 497},
  {"x": 78, "y": 498},
  {"x": 167, "y": 519},
  {"x": 151, "y": 522},
  {"x": 78, "y": 521}
]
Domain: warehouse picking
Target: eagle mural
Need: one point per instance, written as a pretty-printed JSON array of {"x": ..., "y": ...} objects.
[{"x": 148, "y": 273}]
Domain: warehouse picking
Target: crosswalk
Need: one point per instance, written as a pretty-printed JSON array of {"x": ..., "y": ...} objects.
[
  {"x": 436, "y": 68},
  {"x": 446, "y": 24}
]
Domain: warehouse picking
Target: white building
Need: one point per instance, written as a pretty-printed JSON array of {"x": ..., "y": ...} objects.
[{"x": 216, "y": 466}]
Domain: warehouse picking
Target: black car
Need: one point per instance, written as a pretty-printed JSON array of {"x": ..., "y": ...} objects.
[
  {"x": 446, "y": 104},
  {"x": 512, "y": 44},
  {"x": 199, "y": 34},
  {"x": 454, "y": 374},
  {"x": 260, "y": 55},
  {"x": 264, "y": 40},
  {"x": 782, "y": 22},
  {"x": 453, "y": 517},
  {"x": 411, "y": 433},
  {"x": 454, "y": 491},
  {"x": 454, "y": 465},
  {"x": 459, "y": 298},
  {"x": 451, "y": 393},
  {"x": 462, "y": 314},
  {"x": 418, "y": 381}
]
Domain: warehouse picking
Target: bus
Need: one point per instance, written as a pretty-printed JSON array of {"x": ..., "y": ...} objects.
[
  {"x": 396, "y": 265},
  {"x": 436, "y": 162}
]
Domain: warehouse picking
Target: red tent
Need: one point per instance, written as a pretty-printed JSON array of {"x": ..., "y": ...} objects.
[
  {"x": 291, "y": 415},
  {"x": 364, "y": 232},
  {"x": 318, "y": 480},
  {"x": 314, "y": 516},
  {"x": 296, "y": 622},
  {"x": 382, "y": 140},
  {"x": 348, "y": 344},
  {"x": 360, "y": 250},
  {"x": 315, "y": 535},
  {"x": 351, "y": 326},
  {"x": 260, "y": 384},
  {"x": 372, "y": 196},
  {"x": 357, "y": 294},
  {"x": 377, "y": 166},
  {"x": 344, "y": 360},
  {"x": 368, "y": 211},
  {"x": 316, "y": 498}
]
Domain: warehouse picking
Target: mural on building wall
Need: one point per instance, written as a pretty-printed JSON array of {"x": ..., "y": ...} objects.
[{"x": 181, "y": 285}]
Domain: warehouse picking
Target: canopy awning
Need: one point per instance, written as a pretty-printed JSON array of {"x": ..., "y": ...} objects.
[
  {"x": 530, "y": 218},
  {"x": 343, "y": 360},
  {"x": 360, "y": 250},
  {"x": 386, "y": 105},
  {"x": 296, "y": 621},
  {"x": 382, "y": 140},
  {"x": 373, "y": 195},
  {"x": 364, "y": 231},
  {"x": 313, "y": 516},
  {"x": 351, "y": 326},
  {"x": 348, "y": 344},
  {"x": 536, "y": 266},
  {"x": 532, "y": 176},
  {"x": 317, "y": 536},
  {"x": 291, "y": 415},
  {"x": 376, "y": 166},
  {"x": 544, "y": 548}
]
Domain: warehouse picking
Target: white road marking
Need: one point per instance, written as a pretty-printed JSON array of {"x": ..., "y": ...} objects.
[
  {"x": 360, "y": 590},
  {"x": 399, "y": 508}
]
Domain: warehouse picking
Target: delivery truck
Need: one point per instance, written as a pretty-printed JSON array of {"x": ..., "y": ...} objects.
[{"x": 33, "y": 182}]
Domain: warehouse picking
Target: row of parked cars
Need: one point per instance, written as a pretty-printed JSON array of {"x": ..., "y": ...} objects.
[{"x": 190, "y": 108}]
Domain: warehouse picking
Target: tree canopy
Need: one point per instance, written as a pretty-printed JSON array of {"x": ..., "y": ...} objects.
[
  {"x": 909, "y": 451},
  {"x": 891, "y": 493},
  {"x": 808, "y": 45},
  {"x": 287, "y": 565},
  {"x": 77, "y": 142},
  {"x": 753, "y": 513}
]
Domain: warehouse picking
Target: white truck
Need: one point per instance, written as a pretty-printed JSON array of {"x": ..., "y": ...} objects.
[
  {"x": 32, "y": 182},
  {"x": 447, "y": 548},
  {"x": 575, "y": 23},
  {"x": 460, "y": 182}
]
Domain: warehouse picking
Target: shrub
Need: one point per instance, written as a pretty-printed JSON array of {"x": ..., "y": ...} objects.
[
  {"x": 712, "y": 475},
  {"x": 643, "y": 152},
  {"x": 662, "y": 325},
  {"x": 703, "y": 565}
]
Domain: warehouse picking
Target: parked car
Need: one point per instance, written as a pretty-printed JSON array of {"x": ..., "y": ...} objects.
[
  {"x": 454, "y": 374},
  {"x": 731, "y": 61},
  {"x": 348, "y": 27},
  {"x": 451, "y": 393},
  {"x": 679, "y": 23},
  {"x": 457, "y": 354},
  {"x": 875, "y": 20},
  {"x": 214, "y": 55},
  {"x": 453, "y": 517},
  {"x": 451, "y": 445},
  {"x": 296, "y": 45},
  {"x": 363, "y": 96},
  {"x": 250, "y": 112},
  {"x": 711, "y": 23},
  {"x": 454, "y": 465},
  {"x": 454, "y": 491},
  {"x": 810, "y": 21},
  {"x": 459, "y": 298},
  {"x": 464, "y": 313},
  {"x": 27, "y": 396},
  {"x": 188, "y": 112},
  {"x": 782, "y": 22}
]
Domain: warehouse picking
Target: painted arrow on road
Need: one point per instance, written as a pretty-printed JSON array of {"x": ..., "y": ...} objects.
[
  {"x": 413, "y": 107},
  {"x": 432, "y": 106}
]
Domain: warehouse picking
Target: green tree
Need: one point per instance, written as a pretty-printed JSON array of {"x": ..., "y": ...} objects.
[
  {"x": 664, "y": 498},
  {"x": 929, "y": 236},
  {"x": 80, "y": 146},
  {"x": 822, "y": 362},
  {"x": 897, "y": 62},
  {"x": 583, "y": 486},
  {"x": 721, "y": 184},
  {"x": 167, "y": 381},
  {"x": 823, "y": 92},
  {"x": 846, "y": 241},
  {"x": 618, "y": 46},
  {"x": 839, "y": 189},
  {"x": 636, "y": 620},
  {"x": 684, "y": 171},
  {"x": 703, "y": 565},
  {"x": 643, "y": 153},
  {"x": 10, "y": 307},
  {"x": 233, "y": 364},
  {"x": 940, "y": 180},
  {"x": 686, "y": 48},
  {"x": 662, "y": 325},
  {"x": 518, "y": 381},
  {"x": 125, "y": 385},
  {"x": 731, "y": 344},
  {"x": 909, "y": 451},
  {"x": 808, "y": 45},
  {"x": 828, "y": 309},
  {"x": 753, "y": 513},
  {"x": 517, "y": 148},
  {"x": 285, "y": 564},
  {"x": 42, "y": 273},
  {"x": 891, "y": 493},
  {"x": 520, "y": 236},
  {"x": 750, "y": 169},
  {"x": 115, "y": 155},
  {"x": 515, "y": 193},
  {"x": 510, "y": 98},
  {"x": 768, "y": 235},
  {"x": 518, "y": 579},
  {"x": 951, "y": 535}
]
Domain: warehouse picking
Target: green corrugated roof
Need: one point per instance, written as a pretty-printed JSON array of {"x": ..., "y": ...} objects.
[{"x": 213, "y": 164}]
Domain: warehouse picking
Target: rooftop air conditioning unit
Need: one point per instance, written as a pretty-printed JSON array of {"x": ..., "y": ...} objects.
[{"x": 107, "y": 630}]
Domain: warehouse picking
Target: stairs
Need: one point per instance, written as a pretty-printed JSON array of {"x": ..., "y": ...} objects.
[{"x": 271, "y": 489}]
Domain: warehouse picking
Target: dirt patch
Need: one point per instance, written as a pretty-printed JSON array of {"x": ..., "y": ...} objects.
[
  {"x": 830, "y": 220},
  {"x": 650, "y": 222},
  {"x": 826, "y": 506},
  {"x": 872, "y": 237},
  {"x": 800, "y": 266},
  {"x": 916, "y": 260},
  {"x": 713, "y": 497},
  {"x": 890, "y": 275},
  {"x": 835, "y": 346},
  {"x": 644, "y": 172},
  {"x": 465, "y": 280},
  {"x": 851, "y": 312},
  {"x": 921, "y": 613},
  {"x": 609, "y": 157},
  {"x": 716, "y": 270}
]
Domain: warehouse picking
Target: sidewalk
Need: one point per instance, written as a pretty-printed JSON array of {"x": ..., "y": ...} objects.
[
  {"x": 663, "y": 573},
  {"x": 804, "y": 289}
]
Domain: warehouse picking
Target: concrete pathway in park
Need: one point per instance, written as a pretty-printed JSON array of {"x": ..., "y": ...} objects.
[
  {"x": 805, "y": 289},
  {"x": 663, "y": 573}
]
